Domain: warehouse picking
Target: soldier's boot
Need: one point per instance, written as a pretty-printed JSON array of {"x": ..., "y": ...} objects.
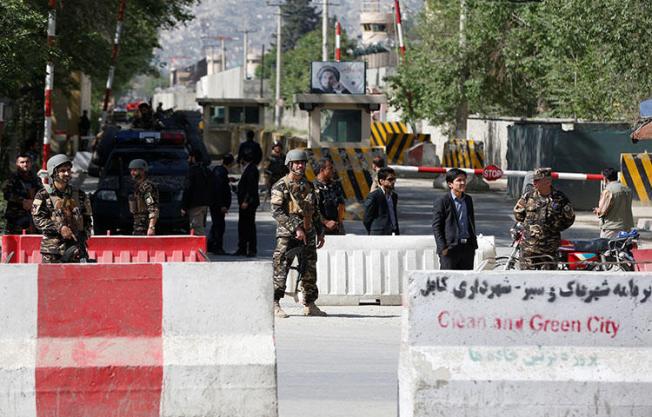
[
  {"x": 311, "y": 309},
  {"x": 278, "y": 311}
]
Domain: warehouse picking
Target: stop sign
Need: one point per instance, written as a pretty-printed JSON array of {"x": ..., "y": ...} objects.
[{"x": 492, "y": 173}]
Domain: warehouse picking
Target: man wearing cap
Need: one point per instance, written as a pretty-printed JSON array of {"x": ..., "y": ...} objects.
[
  {"x": 545, "y": 212},
  {"x": 144, "y": 202},
  {"x": 62, "y": 214}
]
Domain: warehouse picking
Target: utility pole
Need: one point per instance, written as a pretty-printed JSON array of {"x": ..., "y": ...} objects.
[
  {"x": 262, "y": 72},
  {"x": 324, "y": 31},
  {"x": 223, "y": 59},
  {"x": 222, "y": 39},
  {"x": 277, "y": 97},
  {"x": 245, "y": 50}
]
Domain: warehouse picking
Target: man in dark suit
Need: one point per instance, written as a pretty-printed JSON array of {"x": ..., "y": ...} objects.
[
  {"x": 252, "y": 146},
  {"x": 380, "y": 214},
  {"x": 220, "y": 204},
  {"x": 248, "y": 202},
  {"x": 453, "y": 224}
]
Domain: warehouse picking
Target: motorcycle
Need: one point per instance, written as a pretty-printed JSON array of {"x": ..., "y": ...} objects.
[{"x": 580, "y": 255}]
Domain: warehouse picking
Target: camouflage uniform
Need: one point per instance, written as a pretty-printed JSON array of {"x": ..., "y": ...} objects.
[
  {"x": 55, "y": 209},
  {"x": 144, "y": 205},
  {"x": 329, "y": 198},
  {"x": 294, "y": 205},
  {"x": 543, "y": 219},
  {"x": 17, "y": 189}
]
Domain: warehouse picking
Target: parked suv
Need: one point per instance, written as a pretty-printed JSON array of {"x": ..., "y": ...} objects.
[{"x": 167, "y": 157}]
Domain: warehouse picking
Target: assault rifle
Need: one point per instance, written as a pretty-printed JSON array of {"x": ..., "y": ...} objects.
[{"x": 300, "y": 267}]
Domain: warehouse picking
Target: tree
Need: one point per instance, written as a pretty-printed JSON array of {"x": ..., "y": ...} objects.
[
  {"x": 295, "y": 74},
  {"x": 299, "y": 18},
  {"x": 84, "y": 37},
  {"x": 554, "y": 58}
]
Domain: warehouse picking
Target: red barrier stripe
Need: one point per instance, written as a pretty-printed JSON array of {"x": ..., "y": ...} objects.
[
  {"x": 100, "y": 301},
  {"x": 48, "y": 103},
  {"x": 99, "y": 392},
  {"x": 100, "y": 346}
]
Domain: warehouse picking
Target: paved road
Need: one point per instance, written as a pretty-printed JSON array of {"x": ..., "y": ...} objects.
[{"x": 345, "y": 364}]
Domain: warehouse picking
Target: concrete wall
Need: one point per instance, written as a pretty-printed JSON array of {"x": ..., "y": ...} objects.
[
  {"x": 494, "y": 134},
  {"x": 226, "y": 84},
  {"x": 525, "y": 343},
  {"x": 177, "y": 99},
  {"x": 295, "y": 119}
]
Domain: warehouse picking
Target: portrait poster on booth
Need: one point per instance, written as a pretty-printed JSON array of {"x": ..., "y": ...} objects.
[{"x": 337, "y": 78}]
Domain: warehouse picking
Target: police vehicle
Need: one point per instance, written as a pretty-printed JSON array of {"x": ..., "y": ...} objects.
[{"x": 167, "y": 157}]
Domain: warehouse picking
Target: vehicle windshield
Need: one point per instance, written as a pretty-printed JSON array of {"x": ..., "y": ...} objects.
[{"x": 160, "y": 162}]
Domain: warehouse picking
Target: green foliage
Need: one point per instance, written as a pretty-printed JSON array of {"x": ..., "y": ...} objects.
[
  {"x": 85, "y": 30},
  {"x": 299, "y": 17},
  {"x": 554, "y": 58},
  {"x": 84, "y": 40}
]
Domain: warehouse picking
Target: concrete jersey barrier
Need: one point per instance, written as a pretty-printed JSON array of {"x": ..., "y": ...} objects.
[
  {"x": 137, "y": 340},
  {"x": 526, "y": 343},
  {"x": 355, "y": 269}
]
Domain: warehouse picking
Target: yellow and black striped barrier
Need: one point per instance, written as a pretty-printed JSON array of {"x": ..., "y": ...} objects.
[
  {"x": 460, "y": 153},
  {"x": 394, "y": 137},
  {"x": 353, "y": 167},
  {"x": 382, "y": 131},
  {"x": 636, "y": 173}
]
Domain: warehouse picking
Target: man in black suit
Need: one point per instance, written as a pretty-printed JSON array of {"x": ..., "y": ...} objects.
[
  {"x": 453, "y": 224},
  {"x": 248, "y": 201},
  {"x": 252, "y": 146},
  {"x": 380, "y": 214},
  {"x": 220, "y": 204}
]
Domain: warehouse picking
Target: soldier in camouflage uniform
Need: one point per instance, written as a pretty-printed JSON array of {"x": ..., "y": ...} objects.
[
  {"x": 330, "y": 198},
  {"x": 144, "y": 202},
  {"x": 545, "y": 212},
  {"x": 19, "y": 191},
  {"x": 62, "y": 214},
  {"x": 294, "y": 207}
]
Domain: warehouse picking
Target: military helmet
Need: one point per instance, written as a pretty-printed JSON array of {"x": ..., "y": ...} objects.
[
  {"x": 296, "y": 155},
  {"x": 55, "y": 162},
  {"x": 138, "y": 164},
  {"x": 541, "y": 173}
]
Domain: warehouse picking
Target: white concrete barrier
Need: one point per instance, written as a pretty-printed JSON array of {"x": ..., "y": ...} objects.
[
  {"x": 525, "y": 343},
  {"x": 356, "y": 269},
  {"x": 137, "y": 340}
]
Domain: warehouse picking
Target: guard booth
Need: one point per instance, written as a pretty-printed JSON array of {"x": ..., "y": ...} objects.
[
  {"x": 339, "y": 120},
  {"x": 340, "y": 128},
  {"x": 226, "y": 122}
]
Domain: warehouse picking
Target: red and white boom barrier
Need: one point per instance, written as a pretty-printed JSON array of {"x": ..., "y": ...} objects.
[
  {"x": 399, "y": 27},
  {"x": 338, "y": 34},
  {"x": 49, "y": 82},
  {"x": 492, "y": 172},
  {"x": 114, "y": 58}
]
